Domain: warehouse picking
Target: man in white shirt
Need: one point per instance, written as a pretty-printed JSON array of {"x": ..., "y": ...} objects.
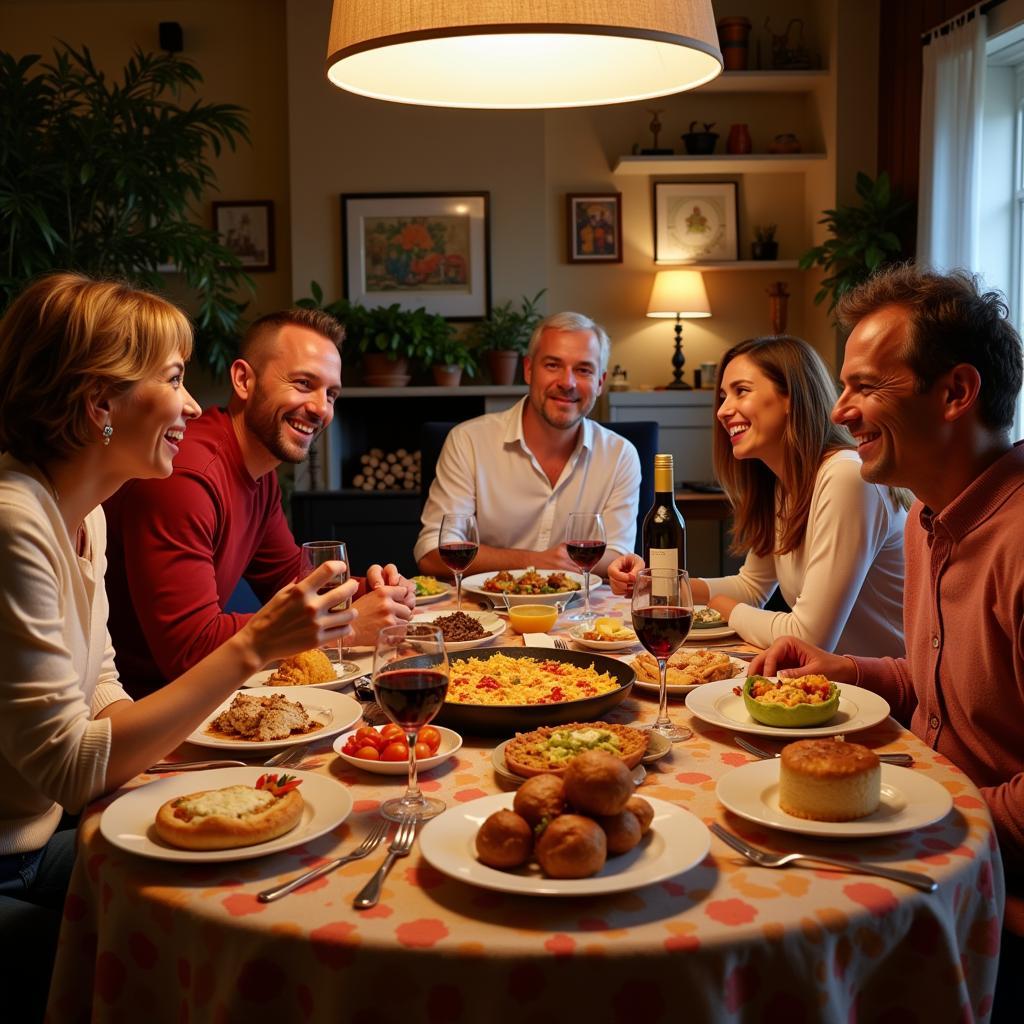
[{"x": 524, "y": 470}]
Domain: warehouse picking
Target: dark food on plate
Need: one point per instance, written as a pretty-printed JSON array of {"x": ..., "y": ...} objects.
[
  {"x": 572, "y": 846},
  {"x": 540, "y": 799},
  {"x": 530, "y": 582},
  {"x": 622, "y": 831},
  {"x": 459, "y": 626},
  {"x": 303, "y": 669},
  {"x": 504, "y": 840},
  {"x": 829, "y": 780},
  {"x": 598, "y": 783},
  {"x": 551, "y": 748},
  {"x": 263, "y": 718},
  {"x": 223, "y": 819}
]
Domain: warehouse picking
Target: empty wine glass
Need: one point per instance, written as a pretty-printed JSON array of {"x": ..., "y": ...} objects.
[
  {"x": 662, "y": 614},
  {"x": 314, "y": 554},
  {"x": 457, "y": 543},
  {"x": 585, "y": 540},
  {"x": 410, "y": 680}
]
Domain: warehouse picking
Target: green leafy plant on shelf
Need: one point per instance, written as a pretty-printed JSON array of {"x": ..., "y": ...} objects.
[
  {"x": 105, "y": 176},
  {"x": 865, "y": 238},
  {"x": 508, "y": 329}
]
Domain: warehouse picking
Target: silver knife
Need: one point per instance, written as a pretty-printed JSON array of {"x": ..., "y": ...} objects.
[{"x": 191, "y": 766}]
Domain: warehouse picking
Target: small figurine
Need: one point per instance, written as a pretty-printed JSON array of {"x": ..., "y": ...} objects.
[{"x": 655, "y": 127}]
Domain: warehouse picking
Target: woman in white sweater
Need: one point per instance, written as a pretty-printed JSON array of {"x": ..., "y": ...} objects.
[
  {"x": 808, "y": 522},
  {"x": 92, "y": 395}
]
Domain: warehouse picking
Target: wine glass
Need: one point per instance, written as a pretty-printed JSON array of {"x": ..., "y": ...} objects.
[
  {"x": 662, "y": 614},
  {"x": 410, "y": 680},
  {"x": 315, "y": 553},
  {"x": 458, "y": 542},
  {"x": 585, "y": 541}
]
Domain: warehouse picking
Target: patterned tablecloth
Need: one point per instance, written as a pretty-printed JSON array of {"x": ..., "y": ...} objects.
[{"x": 150, "y": 941}]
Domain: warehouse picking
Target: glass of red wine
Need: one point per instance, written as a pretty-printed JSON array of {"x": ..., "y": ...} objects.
[
  {"x": 410, "y": 680},
  {"x": 314, "y": 554},
  {"x": 585, "y": 540},
  {"x": 662, "y": 615},
  {"x": 457, "y": 544}
]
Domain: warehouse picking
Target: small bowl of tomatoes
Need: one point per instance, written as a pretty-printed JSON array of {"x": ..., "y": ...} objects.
[{"x": 384, "y": 749}]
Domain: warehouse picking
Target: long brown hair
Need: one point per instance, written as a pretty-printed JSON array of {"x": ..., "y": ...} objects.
[{"x": 799, "y": 374}]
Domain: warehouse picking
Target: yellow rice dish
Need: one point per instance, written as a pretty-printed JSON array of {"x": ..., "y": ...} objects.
[{"x": 501, "y": 680}]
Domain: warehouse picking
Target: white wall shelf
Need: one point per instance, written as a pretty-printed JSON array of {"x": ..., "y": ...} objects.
[
  {"x": 752, "y": 163},
  {"x": 733, "y": 265},
  {"x": 766, "y": 81}
]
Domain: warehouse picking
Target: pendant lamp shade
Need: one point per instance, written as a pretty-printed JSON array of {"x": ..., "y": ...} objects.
[{"x": 509, "y": 54}]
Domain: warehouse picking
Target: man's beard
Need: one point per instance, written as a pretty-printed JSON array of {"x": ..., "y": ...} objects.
[{"x": 271, "y": 433}]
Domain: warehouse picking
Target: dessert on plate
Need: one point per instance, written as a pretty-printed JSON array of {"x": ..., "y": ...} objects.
[{"x": 829, "y": 780}]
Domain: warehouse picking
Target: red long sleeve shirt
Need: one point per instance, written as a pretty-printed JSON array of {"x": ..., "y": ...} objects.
[{"x": 961, "y": 685}]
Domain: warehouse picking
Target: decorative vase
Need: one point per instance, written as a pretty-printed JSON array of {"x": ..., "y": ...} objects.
[
  {"x": 381, "y": 372},
  {"x": 733, "y": 34},
  {"x": 739, "y": 140},
  {"x": 787, "y": 142},
  {"x": 700, "y": 143},
  {"x": 503, "y": 364},
  {"x": 764, "y": 250},
  {"x": 778, "y": 307},
  {"x": 447, "y": 376}
]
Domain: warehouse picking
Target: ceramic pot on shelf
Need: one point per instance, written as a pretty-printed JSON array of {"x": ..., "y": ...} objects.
[
  {"x": 733, "y": 35},
  {"x": 447, "y": 376},
  {"x": 503, "y": 364},
  {"x": 738, "y": 141},
  {"x": 381, "y": 372}
]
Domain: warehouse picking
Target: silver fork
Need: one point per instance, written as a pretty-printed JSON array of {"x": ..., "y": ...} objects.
[
  {"x": 771, "y": 860},
  {"x": 366, "y": 847},
  {"x": 288, "y": 757},
  {"x": 400, "y": 847},
  {"x": 561, "y": 644},
  {"x": 766, "y": 755}
]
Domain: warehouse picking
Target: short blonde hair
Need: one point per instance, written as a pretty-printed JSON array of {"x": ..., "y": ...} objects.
[{"x": 66, "y": 338}]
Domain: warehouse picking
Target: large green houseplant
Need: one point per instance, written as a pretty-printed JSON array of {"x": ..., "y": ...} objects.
[
  {"x": 104, "y": 176},
  {"x": 505, "y": 335},
  {"x": 865, "y": 238}
]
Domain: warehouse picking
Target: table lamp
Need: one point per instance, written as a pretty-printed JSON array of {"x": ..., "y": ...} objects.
[{"x": 680, "y": 294}]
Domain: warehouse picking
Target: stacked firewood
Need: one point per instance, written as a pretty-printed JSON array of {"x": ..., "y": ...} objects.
[{"x": 388, "y": 471}]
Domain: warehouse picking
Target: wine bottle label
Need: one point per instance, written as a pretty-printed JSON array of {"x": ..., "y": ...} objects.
[{"x": 662, "y": 558}]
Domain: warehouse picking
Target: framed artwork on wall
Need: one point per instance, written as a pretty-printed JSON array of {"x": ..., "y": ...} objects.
[
  {"x": 246, "y": 227},
  {"x": 594, "y": 222},
  {"x": 428, "y": 249},
  {"x": 695, "y": 222}
]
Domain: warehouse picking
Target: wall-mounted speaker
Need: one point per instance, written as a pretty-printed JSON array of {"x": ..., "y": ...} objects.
[{"x": 171, "y": 37}]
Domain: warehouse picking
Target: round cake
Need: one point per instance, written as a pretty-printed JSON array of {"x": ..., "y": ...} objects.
[{"x": 829, "y": 780}]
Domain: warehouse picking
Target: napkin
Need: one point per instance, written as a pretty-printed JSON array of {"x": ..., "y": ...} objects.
[{"x": 538, "y": 640}]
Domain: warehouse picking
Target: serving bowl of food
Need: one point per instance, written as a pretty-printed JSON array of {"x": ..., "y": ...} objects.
[
  {"x": 464, "y": 630},
  {"x": 527, "y": 586},
  {"x": 791, "y": 703},
  {"x": 604, "y": 634},
  {"x": 524, "y": 688},
  {"x": 532, "y": 618},
  {"x": 384, "y": 751}
]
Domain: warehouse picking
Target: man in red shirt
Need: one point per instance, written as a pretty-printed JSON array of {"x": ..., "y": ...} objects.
[
  {"x": 178, "y": 547},
  {"x": 930, "y": 381}
]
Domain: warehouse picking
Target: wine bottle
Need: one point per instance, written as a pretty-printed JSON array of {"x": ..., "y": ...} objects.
[{"x": 664, "y": 529}]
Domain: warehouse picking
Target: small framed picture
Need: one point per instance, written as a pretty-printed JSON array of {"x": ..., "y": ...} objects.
[
  {"x": 695, "y": 222},
  {"x": 246, "y": 228},
  {"x": 594, "y": 223}
]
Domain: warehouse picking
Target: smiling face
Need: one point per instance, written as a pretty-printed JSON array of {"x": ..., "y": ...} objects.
[
  {"x": 290, "y": 393},
  {"x": 149, "y": 422},
  {"x": 899, "y": 433},
  {"x": 565, "y": 377},
  {"x": 753, "y": 412}
]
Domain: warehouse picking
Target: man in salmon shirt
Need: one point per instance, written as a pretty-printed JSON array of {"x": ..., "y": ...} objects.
[
  {"x": 177, "y": 547},
  {"x": 931, "y": 378}
]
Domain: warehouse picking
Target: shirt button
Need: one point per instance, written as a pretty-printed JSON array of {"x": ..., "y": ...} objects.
[
  {"x": 933, "y": 722},
  {"x": 935, "y": 642}
]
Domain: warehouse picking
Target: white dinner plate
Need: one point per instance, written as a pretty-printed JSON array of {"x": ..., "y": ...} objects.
[
  {"x": 339, "y": 682},
  {"x": 576, "y": 635},
  {"x": 335, "y": 711},
  {"x": 431, "y": 598},
  {"x": 700, "y": 633},
  {"x": 494, "y": 624},
  {"x": 676, "y": 842},
  {"x": 716, "y": 704},
  {"x": 909, "y": 800},
  {"x": 502, "y": 770},
  {"x": 475, "y": 585},
  {"x": 128, "y": 821},
  {"x": 451, "y": 741},
  {"x": 681, "y": 689}
]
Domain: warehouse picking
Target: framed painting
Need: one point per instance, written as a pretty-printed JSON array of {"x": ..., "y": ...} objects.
[
  {"x": 594, "y": 221},
  {"x": 246, "y": 227},
  {"x": 428, "y": 249},
  {"x": 695, "y": 222}
]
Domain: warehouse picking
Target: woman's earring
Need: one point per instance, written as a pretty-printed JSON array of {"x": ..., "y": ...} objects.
[{"x": 108, "y": 430}]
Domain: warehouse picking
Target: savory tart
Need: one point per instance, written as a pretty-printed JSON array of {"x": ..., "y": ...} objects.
[
  {"x": 829, "y": 780},
  {"x": 686, "y": 667},
  {"x": 550, "y": 749},
  {"x": 222, "y": 819}
]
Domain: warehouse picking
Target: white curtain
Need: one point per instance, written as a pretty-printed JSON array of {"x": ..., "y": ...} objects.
[{"x": 952, "y": 96}]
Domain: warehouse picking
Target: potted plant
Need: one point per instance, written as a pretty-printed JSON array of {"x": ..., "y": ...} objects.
[
  {"x": 764, "y": 246},
  {"x": 865, "y": 238},
  {"x": 700, "y": 143},
  {"x": 505, "y": 335},
  {"x": 452, "y": 357}
]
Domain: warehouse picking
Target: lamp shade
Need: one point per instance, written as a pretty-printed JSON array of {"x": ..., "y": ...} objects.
[
  {"x": 521, "y": 53},
  {"x": 679, "y": 293}
]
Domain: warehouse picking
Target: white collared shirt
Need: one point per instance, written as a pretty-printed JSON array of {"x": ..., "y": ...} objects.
[{"x": 486, "y": 467}]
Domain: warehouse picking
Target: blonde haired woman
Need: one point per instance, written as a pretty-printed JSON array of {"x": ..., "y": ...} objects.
[
  {"x": 809, "y": 524},
  {"x": 91, "y": 395}
]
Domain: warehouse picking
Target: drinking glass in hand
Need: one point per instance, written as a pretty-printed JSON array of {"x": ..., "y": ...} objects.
[
  {"x": 662, "y": 614},
  {"x": 315, "y": 553},
  {"x": 410, "y": 680},
  {"x": 585, "y": 540},
  {"x": 457, "y": 543}
]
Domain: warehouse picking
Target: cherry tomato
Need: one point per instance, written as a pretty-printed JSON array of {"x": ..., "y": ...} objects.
[
  {"x": 392, "y": 732},
  {"x": 370, "y": 737},
  {"x": 395, "y": 752},
  {"x": 429, "y": 735},
  {"x": 423, "y": 750},
  {"x": 367, "y": 753}
]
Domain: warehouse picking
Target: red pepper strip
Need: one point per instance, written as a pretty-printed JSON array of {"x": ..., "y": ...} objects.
[
  {"x": 287, "y": 787},
  {"x": 263, "y": 780}
]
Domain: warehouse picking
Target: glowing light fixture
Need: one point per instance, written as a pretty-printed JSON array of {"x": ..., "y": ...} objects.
[
  {"x": 521, "y": 53},
  {"x": 680, "y": 294}
]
